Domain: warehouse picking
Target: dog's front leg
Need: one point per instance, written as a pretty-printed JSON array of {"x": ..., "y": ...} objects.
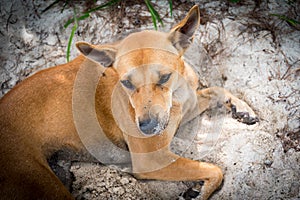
[
  {"x": 214, "y": 96},
  {"x": 152, "y": 159}
]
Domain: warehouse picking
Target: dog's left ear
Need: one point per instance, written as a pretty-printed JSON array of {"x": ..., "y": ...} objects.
[
  {"x": 182, "y": 34},
  {"x": 103, "y": 55}
]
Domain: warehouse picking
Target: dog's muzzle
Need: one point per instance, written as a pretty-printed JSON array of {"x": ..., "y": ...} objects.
[{"x": 151, "y": 126}]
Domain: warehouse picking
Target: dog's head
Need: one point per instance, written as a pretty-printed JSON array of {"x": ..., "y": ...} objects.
[{"x": 150, "y": 67}]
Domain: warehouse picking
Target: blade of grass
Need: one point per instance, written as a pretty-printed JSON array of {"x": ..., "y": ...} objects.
[
  {"x": 72, "y": 36},
  {"x": 82, "y": 17},
  {"x": 154, "y": 14},
  {"x": 153, "y": 20},
  {"x": 50, "y": 6},
  {"x": 158, "y": 17},
  {"x": 288, "y": 20},
  {"x": 171, "y": 7},
  {"x": 70, "y": 41}
]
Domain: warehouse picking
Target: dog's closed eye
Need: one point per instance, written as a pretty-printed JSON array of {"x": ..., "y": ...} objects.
[
  {"x": 127, "y": 84},
  {"x": 164, "y": 78}
]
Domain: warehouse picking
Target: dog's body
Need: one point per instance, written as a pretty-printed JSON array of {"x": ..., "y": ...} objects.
[{"x": 160, "y": 90}]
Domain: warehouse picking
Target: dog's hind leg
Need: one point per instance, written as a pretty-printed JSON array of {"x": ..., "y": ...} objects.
[{"x": 25, "y": 174}]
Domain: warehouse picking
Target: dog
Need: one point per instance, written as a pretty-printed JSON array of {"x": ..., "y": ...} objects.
[{"x": 144, "y": 93}]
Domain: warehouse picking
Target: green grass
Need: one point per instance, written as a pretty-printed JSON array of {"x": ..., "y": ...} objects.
[
  {"x": 290, "y": 21},
  {"x": 74, "y": 28},
  {"x": 154, "y": 14}
]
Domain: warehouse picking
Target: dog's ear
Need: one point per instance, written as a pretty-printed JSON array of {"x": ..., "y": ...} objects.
[
  {"x": 103, "y": 55},
  {"x": 182, "y": 34}
]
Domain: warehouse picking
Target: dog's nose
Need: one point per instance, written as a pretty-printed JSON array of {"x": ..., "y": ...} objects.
[{"x": 149, "y": 126}]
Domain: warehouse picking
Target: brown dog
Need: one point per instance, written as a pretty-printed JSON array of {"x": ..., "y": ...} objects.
[{"x": 144, "y": 93}]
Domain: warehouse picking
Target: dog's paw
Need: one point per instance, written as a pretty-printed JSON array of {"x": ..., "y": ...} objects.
[
  {"x": 193, "y": 192},
  {"x": 243, "y": 117},
  {"x": 241, "y": 111}
]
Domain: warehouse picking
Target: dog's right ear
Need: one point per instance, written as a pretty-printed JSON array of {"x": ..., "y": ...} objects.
[{"x": 102, "y": 55}]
